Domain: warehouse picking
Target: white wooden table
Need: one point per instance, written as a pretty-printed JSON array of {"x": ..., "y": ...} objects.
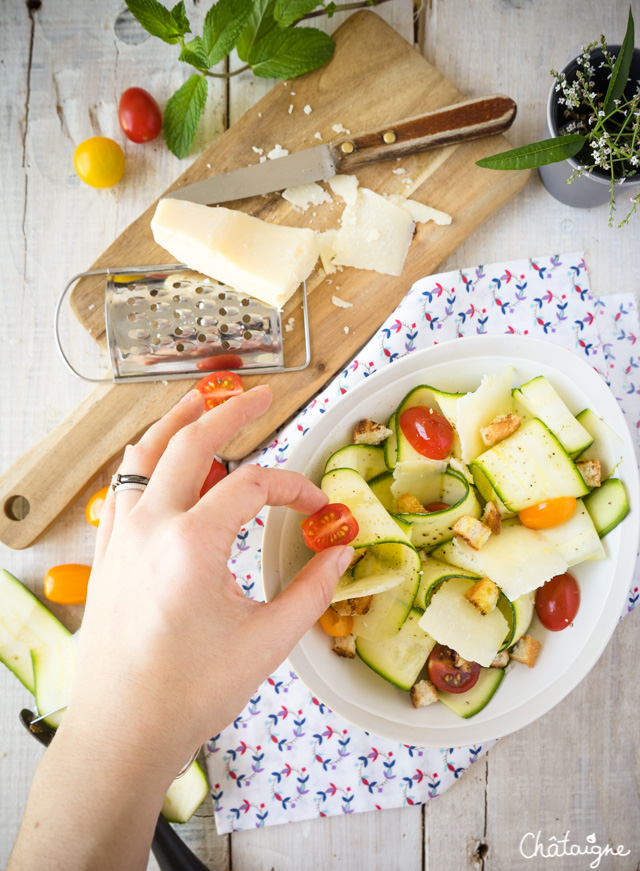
[{"x": 63, "y": 69}]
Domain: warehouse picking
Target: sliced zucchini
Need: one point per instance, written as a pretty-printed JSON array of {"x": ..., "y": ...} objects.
[
  {"x": 479, "y": 408},
  {"x": 606, "y": 445},
  {"x": 508, "y": 611},
  {"x": 434, "y": 572},
  {"x": 185, "y": 795},
  {"x": 607, "y": 506},
  {"x": 576, "y": 539},
  {"x": 542, "y": 400},
  {"x": 399, "y": 659},
  {"x": 530, "y": 466},
  {"x": 382, "y": 567},
  {"x": 391, "y": 444},
  {"x": 368, "y": 460},
  {"x": 25, "y": 624},
  {"x": 524, "y": 606},
  {"x": 53, "y": 670},
  {"x": 474, "y": 700},
  {"x": 487, "y": 492},
  {"x": 390, "y": 609},
  {"x": 447, "y": 552},
  {"x": 381, "y": 487},
  {"x": 429, "y": 530},
  {"x": 421, "y": 478}
]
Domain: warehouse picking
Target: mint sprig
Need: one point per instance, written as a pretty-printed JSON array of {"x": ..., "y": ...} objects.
[
  {"x": 182, "y": 115},
  {"x": 168, "y": 25},
  {"x": 285, "y": 54}
]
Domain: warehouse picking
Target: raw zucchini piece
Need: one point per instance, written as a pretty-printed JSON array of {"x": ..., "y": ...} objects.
[
  {"x": 399, "y": 659},
  {"x": 474, "y": 700},
  {"x": 382, "y": 567},
  {"x": 434, "y": 572},
  {"x": 607, "y": 506},
  {"x": 368, "y": 460},
  {"x": 541, "y": 399},
  {"x": 25, "y": 624},
  {"x": 185, "y": 795},
  {"x": 606, "y": 445},
  {"x": 524, "y": 607},
  {"x": 576, "y": 539},
  {"x": 390, "y": 609},
  {"x": 391, "y": 444},
  {"x": 454, "y": 621},
  {"x": 421, "y": 478},
  {"x": 508, "y": 611},
  {"x": 530, "y": 466},
  {"x": 478, "y": 409},
  {"x": 487, "y": 492},
  {"x": 447, "y": 552},
  {"x": 381, "y": 488},
  {"x": 428, "y": 530},
  {"x": 448, "y": 403}
]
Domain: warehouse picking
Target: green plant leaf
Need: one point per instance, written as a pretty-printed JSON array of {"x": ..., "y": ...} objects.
[
  {"x": 182, "y": 115},
  {"x": 285, "y": 54},
  {"x": 536, "y": 154},
  {"x": 288, "y": 11},
  {"x": 620, "y": 73},
  {"x": 223, "y": 25},
  {"x": 259, "y": 24},
  {"x": 193, "y": 53},
  {"x": 170, "y": 26}
]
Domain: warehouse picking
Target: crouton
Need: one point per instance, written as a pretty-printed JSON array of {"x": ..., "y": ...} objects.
[
  {"x": 408, "y": 504},
  {"x": 499, "y": 428},
  {"x": 463, "y": 664},
  {"x": 591, "y": 472},
  {"x": 472, "y": 531},
  {"x": 345, "y": 646},
  {"x": 492, "y": 518},
  {"x": 526, "y": 651},
  {"x": 369, "y": 432},
  {"x": 351, "y": 607},
  {"x": 500, "y": 660},
  {"x": 423, "y": 693},
  {"x": 483, "y": 595}
]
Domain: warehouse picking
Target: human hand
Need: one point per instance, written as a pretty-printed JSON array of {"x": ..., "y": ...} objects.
[{"x": 170, "y": 650}]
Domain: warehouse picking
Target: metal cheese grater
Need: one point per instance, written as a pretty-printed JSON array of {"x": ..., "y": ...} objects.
[{"x": 170, "y": 322}]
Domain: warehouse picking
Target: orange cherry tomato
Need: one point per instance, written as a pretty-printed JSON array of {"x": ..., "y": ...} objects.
[
  {"x": 67, "y": 584},
  {"x": 99, "y": 162},
  {"x": 336, "y": 625},
  {"x": 551, "y": 512},
  {"x": 218, "y": 387},
  {"x": 95, "y": 506}
]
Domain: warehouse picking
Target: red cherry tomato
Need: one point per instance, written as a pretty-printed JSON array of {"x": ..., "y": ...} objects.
[
  {"x": 550, "y": 513},
  {"x": 139, "y": 115},
  {"x": 436, "y": 506},
  {"x": 427, "y": 431},
  {"x": 557, "y": 602},
  {"x": 333, "y": 524},
  {"x": 216, "y": 473},
  {"x": 218, "y": 387},
  {"x": 221, "y": 361},
  {"x": 444, "y": 675}
]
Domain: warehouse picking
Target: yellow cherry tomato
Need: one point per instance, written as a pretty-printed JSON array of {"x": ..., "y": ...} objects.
[
  {"x": 99, "y": 162},
  {"x": 335, "y": 625},
  {"x": 552, "y": 512},
  {"x": 67, "y": 584},
  {"x": 95, "y": 506}
]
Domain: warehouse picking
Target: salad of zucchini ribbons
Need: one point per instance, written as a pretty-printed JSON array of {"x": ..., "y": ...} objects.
[{"x": 466, "y": 512}]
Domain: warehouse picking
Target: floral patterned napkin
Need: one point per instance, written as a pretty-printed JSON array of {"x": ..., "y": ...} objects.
[{"x": 288, "y": 757}]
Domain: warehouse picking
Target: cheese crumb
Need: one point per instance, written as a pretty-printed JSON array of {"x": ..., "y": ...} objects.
[
  {"x": 338, "y": 128},
  {"x": 346, "y": 331},
  {"x": 288, "y": 328},
  {"x": 208, "y": 166},
  {"x": 341, "y": 303},
  {"x": 407, "y": 181},
  {"x": 317, "y": 136},
  {"x": 91, "y": 307},
  {"x": 304, "y": 195},
  {"x": 277, "y": 151},
  {"x": 263, "y": 160},
  {"x": 257, "y": 150},
  {"x": 166, "y": 383},
  {"x": 345, "y": 186},
  {"x": 290, "y": 109},
  {"x": 307, "y": 109},
  {"x": 293, "y": 93},
  {"x": 399, "y": 170}
]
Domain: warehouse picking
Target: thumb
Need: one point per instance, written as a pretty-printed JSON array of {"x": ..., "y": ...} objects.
[{"x": 308, "y": 595}]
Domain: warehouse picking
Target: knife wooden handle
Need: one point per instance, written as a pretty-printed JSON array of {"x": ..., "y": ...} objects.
[{"x": 470, "y": 119}]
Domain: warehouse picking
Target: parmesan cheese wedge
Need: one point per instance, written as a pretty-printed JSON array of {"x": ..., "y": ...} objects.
[
  {"x": 345, "y": 186},
  {"x": 419, "y": 211},
  {"x": 263, "y": 260}
]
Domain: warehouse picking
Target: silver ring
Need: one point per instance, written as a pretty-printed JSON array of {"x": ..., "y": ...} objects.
[{"x": 128, "y": 482}]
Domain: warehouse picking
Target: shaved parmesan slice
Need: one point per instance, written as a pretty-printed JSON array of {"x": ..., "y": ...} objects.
[
  {"x": 418, "y": 211},
  {"x": 345, "y": 186},
  {"x": 354, "y": 244},
  {"x": 267, "y": 261},
  {"x": 326, "y": 242},
  {"x": 304, "y": 195},
  {"x": 477, "y": 409}
]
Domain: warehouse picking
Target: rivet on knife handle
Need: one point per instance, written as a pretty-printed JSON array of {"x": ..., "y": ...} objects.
[{"x": 470, "y": 119}]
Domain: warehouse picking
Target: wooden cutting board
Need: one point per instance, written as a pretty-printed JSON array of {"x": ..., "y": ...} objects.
[{"x": 374, "y": 78}]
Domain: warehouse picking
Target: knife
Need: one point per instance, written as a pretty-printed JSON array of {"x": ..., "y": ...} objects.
[{"x": 470, "y": 119}]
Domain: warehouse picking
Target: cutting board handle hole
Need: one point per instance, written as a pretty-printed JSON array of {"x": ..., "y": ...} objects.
[{"x": 17, "y": 507}]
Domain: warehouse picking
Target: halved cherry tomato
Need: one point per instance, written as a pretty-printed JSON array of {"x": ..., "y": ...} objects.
[
  {"x": 427, "y": 431},
  {"x": 444, "y": 675},
  {"x": 95, "y": 506},
  {"x": 218, "y": 387},
  {"x": 333, "y": 524},
  {"x": 335, "y": 625},
  {"x": 551, "y": 512},
  {"x": 67, "y": 584},
  {"x": 139, "y": 115},
  {"x": 436, "y": 506},
  {"x": 99, "y": 162},
  {"x": 557, "y": 602},
  {"x": 221, "y": 361},
  {"x": 216, "y": 473}
]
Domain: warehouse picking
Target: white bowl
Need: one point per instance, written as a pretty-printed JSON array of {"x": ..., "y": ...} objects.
[{"x": 350, "y": 688}]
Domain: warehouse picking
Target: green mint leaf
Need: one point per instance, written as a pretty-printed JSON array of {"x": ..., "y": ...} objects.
[
  {"x": 193, "y": 53},
  {"x": 182, "y": 115},
  {"x": 259, "y": 24},
  {"x": 288, "y": 11},
  {"x": 330, "y": 8},
  {"x": 223, "y": 25},
  {"x": 620, "y": 74},
  {"x": 285, "y": 54},
  {"x": 536, "y": 154},
  {"x": 157, "y": 20}
]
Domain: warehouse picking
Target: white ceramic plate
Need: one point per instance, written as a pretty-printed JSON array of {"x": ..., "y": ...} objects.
[{"x": 357, "y": 693}]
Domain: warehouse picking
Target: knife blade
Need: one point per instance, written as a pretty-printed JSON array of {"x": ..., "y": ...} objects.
[{"x": 469, "y": 119}]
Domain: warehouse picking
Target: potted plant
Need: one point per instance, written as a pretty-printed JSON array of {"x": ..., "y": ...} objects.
[{"x": 593, "y": 118}]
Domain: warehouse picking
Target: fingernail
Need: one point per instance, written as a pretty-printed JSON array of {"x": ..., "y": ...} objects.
[
  {"x": 190, "y": 395},
  {"x": 345, "y": 558}
]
